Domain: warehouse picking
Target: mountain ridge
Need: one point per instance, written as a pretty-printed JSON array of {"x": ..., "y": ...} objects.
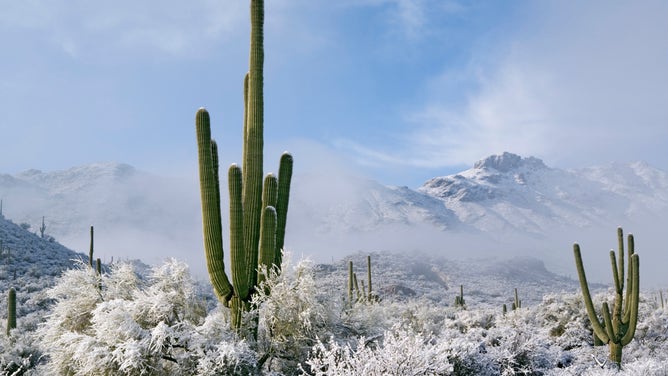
[{"x": 501, "y": 201}]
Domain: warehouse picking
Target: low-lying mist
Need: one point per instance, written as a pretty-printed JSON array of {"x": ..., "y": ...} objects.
[{"x": 332, "y": 213}]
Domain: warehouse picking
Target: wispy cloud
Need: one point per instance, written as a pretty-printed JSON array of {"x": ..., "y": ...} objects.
[
  {"x": 586, "y": 82},
  {"x": 171, "y": 27}
]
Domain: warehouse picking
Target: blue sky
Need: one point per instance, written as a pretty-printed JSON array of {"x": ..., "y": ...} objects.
[{"x": 397, "y": 90}]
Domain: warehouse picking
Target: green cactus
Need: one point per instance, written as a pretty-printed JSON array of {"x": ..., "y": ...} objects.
[
  {"x": 368, "y": 276},
  {"x": 11, "y": 310},
  {"x": 619, "y": 326},
  {"x": 661, "y": 298},
  {"x": 357, "y": 287},
  {"x": 42, "y": 229},
  {"x": 517, "y": 303},
  {"x": 258, "y": 210},
  {"x": 351, "y": 283},
  {"x": 90, "y": 252},
  {"x": 459, "y": 300},
  {"x": 504, "y": 309}
]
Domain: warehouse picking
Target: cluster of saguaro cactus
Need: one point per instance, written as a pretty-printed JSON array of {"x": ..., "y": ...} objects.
[
  {"x": 11, "y": 310},
  {"x": 619, "y": 326},
  {"x": 355, "y": 293},
  {"x": 258, "y": 209}
]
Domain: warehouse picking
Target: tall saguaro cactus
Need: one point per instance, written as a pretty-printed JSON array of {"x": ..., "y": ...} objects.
[
  {"x": 258, "y": 210},
  {"x": 619, "y": 326}
]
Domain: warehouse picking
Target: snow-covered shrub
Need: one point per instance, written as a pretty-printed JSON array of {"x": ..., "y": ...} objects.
[
  {"x": 122, "y": 323},
  {"x": 292, "y": 315},
  {"x": 217, "y": 351},
  {"x": 401, "y": 352},
  {"x": 19, "y": 354}
]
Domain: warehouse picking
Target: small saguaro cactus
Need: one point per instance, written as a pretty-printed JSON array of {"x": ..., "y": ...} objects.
[
  {"x": 661, "y": 299},
  {"x": 42, "y": 229},
  {"x": 368, "y": 274},
  {"x": 11, "y": 310},
  {"x": 351, "y": 283},
  {"x": 619, "y": 326},
  {"x": 258, "y": 210},
  {"x": 90, "y": 252},
  {"x": 517, "y": 303},
  {"x": 459, "y": 300}
]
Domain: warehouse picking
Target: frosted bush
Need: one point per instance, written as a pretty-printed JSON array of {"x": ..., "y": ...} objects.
[
  {"x": 217, "y": 351},
  {"x": 292, "y": 315},
  {"x": 401, "y": 352},
  {"x": 19, "y": 354},
  {"x": 125, "y": 324}
]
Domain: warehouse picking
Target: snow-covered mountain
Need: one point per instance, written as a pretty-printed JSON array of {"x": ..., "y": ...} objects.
[
  {"x": 502, "y": 201},
  {"x": 136, "y": 214},
  {"x": 511, "y": 193}
]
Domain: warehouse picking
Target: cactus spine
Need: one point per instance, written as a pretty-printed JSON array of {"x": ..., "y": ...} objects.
[
  {"x": 11, "y": 310},
  {"x": 619, "y": 326},
  {"x": 258, "y": 210}
]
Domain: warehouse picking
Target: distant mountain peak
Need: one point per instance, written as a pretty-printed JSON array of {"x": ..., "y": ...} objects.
[{"x": 507, "y": 162}]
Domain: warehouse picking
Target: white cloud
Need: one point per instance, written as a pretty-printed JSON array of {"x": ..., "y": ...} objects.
[
  {"x": 172, "y": 27},
  {"x": 584, "y": 82}
]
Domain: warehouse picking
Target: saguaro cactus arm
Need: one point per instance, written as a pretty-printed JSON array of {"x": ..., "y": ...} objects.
[
  {"x": 267, "y": 238},
  {"x": 596, "y": 325},
  {"x": 241, "y": 276},
  {"x": 633, "y": 300},
  {"x": 631, "y": 282},
  {"x": 211, "y": 218},
  {"x": 284, "y": 180}
]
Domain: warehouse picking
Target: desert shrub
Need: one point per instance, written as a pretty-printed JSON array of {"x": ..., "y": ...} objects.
[
  {"x": 19, "y": 354},
  {"x": 122, "y": 323},
  {"x": 400, "y": 352},
  {"x": 292, "y": 315}
]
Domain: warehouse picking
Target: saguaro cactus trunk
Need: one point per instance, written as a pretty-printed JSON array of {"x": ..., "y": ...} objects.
[
  {"x": 258, "y": 210},
  {"x": 619, "y": 326}
]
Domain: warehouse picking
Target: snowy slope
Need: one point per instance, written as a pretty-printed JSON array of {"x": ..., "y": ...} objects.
[
  {"x": 361, "y": 205},
  {"x": 135, "y": 214},
  {"x": 29, "y": 264},
  {"x": 511, "y": 193}
]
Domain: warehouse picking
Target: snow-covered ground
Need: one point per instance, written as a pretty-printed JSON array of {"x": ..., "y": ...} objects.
[{"x": 157, "y": 321}]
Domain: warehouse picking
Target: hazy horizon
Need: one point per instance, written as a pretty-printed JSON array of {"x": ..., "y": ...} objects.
[{"x": 133, "y": 219}]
